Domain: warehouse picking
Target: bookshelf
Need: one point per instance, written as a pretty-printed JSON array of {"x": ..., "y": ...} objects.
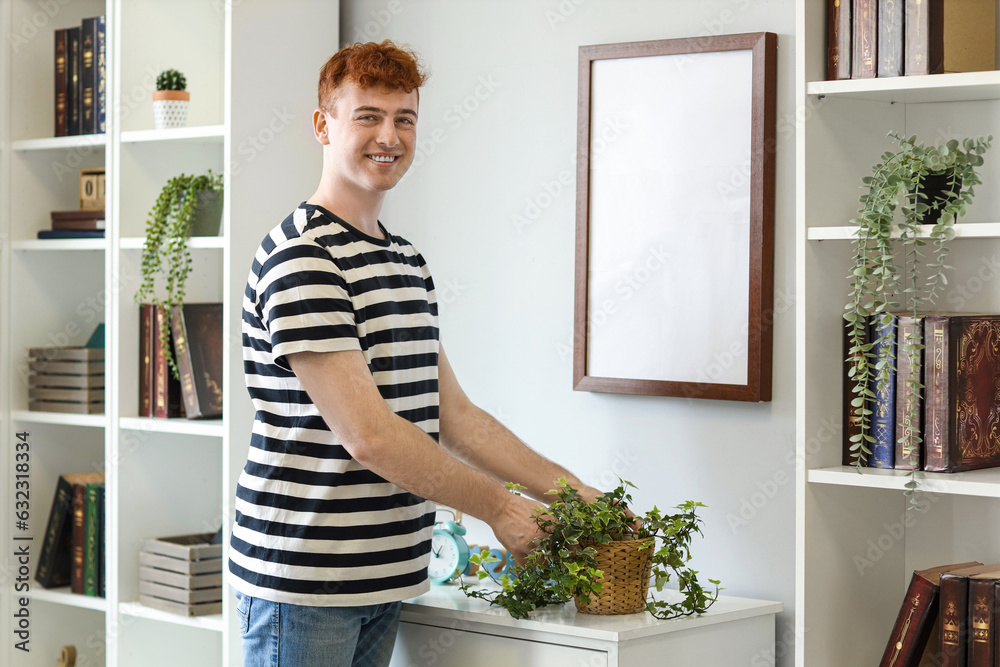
[
  {"x": 163, "y": 477},
  {"x": 856, "y": 541}
]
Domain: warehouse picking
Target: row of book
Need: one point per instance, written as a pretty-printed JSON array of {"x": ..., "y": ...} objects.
[
  {"x": 81, "y": 224},
  {"x": 73, "y": 550},
  {"x": 81, "y": 90},
  {"x": 196, "y": 339},
  {"x": 947, "y": 393},
  {"x": 950, "y": 617},
  {"x": 881, "y": 38}
]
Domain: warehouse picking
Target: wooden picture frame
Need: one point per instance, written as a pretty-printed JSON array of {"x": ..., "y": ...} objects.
[{"x": 675, "y": 217}]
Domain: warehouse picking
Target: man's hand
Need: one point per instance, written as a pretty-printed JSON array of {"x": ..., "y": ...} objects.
[{"x": 516, "y": 528}]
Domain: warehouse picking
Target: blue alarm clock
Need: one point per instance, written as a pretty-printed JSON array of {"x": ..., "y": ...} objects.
[{"x": 449, "y": 552}]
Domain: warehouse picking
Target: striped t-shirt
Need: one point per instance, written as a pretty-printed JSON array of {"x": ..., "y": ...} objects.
[{"x": 313, "y": 526}]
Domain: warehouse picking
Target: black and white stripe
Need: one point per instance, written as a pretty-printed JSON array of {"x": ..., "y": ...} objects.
[{"x": 313, "y": 526}]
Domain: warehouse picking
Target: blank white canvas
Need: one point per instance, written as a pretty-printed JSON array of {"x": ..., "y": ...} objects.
[{"x": 668, "y": 284}]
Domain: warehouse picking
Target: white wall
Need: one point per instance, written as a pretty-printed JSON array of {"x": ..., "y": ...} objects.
[{"x": 485, "y": 206}]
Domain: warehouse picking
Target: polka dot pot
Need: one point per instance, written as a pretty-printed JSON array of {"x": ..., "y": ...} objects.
[{"x": 170, "y": 108}]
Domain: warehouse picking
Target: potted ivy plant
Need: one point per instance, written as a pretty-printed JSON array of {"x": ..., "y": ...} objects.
[
  {"x": 170, "y": 100},
  {"x": 888, "y": 261},
  {"x": 188, "y": 205},
  {"x": 602, "y": 557}
]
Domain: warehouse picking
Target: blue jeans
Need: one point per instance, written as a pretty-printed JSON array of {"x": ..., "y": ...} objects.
[{"x": 289, "y": 635}]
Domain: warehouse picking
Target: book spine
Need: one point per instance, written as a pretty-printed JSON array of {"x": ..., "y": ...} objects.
[
  {"x": 101, "y": 76},
  {"x": 102, "y": 571},
  {"x": 79, "y": 537},
  {"x": 937, "y": 440},
  {"x": 884, "y": 413},
  {"x": 838, "y": 39},
  {"x": 88, "y": 79},
  {"x": 91, "y": 563},
  {"x": 954, "y": 607},
  {"x": 890, "y": 37},
  {"x": 61, "y": 83},
  {"x": 981, "y": 612},
  {"x": 909, "y": 393},
  {"x": 166, "y": 388},
  {"x": 52, "y": 567},
  {"x": 146, "y": 334},
  {"x": 852, "y": 414},
  {"x": 182, "y": 355},
  {"x": 864, "y": 39},
  {"x": 914, "y": 624},
  {"x": 924, "y": 37},
  {"x": 73, "y": 80}
]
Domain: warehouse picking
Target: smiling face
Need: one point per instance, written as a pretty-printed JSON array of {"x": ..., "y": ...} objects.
[{"x": 369, "y": 137}]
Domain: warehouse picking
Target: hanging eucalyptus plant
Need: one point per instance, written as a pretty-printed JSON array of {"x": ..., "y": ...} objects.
[
  {"x": 166, "y": 253},
  {"x": 879, "y": 286}
]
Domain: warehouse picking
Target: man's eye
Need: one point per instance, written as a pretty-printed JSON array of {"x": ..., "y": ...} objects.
[{"x": 406, "y": 120}]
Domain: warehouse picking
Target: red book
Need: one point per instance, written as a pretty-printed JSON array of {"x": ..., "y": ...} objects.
[
  {"x": 982, "y": 619},
  {"x": 166, "y": 388},
  {"x": 838, "y": 39},
  {"x": 955, "y": 614},
  {"x": 961, "y": 406},
  {"x": 916, "y": 619},
  {"x": 146, "y": 334},
  {"x": 864, "y": 39}
]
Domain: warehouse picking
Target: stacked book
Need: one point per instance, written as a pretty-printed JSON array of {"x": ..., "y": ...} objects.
[
  {"x": 940, "y": 408},
  {"x": 182, "y": 574},
  {"x": 66, "y": 379},
  {"x": 80, "y": 224},
  {"x": 879, "y": 38}
]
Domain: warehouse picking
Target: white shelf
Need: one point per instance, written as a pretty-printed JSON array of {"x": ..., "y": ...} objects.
[
  {"x": 64, "y": 596},
  {"x": 60, "y": 244},
  {"x": 136, "y": 609},
  {"x": 65, "y": 418},
  {"x": 206, "y": 427},
  {"x": 965, "y": 230},
  {"x": 57, "y": 143},
  {"x": 202, "y": 134},
  {"x": 983, "y": 483},
  {"x": 196, "y": 242},
  {"x": 960, "y": 87}
]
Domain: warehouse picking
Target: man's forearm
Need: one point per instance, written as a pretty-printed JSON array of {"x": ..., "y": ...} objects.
[{"x": 484, "y": 443}]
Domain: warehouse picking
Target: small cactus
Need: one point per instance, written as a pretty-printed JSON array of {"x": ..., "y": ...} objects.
[{"x": 171, "y": 79}]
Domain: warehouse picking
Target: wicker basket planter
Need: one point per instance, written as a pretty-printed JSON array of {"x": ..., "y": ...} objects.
[{"x": 625, "y": 582}]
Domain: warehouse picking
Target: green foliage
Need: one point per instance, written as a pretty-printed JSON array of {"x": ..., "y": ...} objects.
[
  {"x": 562, "y": 564},
  {"x": 896, "y": 184},
  {"x": 165, "y": 252},
  {"x": 171, "y": 79}
]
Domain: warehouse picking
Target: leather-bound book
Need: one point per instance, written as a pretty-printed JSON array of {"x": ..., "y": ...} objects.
[
  {"x": 961, "y": 403},
  {"x": 166, "y": 388},
  {"x": 952, "y": 36},
  {"x": 982, "y": 619},
  {"x": 852, "y": 413},
  {"x": 197, "y": 329},
  {"x": 92, "y": 539},
  {"x": 864, "y": 39},
  {"x": 100, "y": 75},
  {"x": 79, "y": 537},
  {"x": 954, "y": 623},
  {"x": 838, "y": 39},
  {"x": 88, "y": 75},
  {"x": 73, "y": 80},
  {"x": 915, "y": 622},
  {"x": 54, "y": 559},
  {"x": 909, "y": 394},
  {"x": 884, "y": 410},
  {"x": 61, "y": 83},
  {"x": 146, "y": 334},
  {"x": 890, "y": 37}
]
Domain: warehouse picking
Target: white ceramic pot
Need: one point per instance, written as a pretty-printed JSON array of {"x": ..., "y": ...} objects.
[{"x": 170, "y": 108}]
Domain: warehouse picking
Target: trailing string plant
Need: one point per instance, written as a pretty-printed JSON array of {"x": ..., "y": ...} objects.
[
  {"x": 562, "y": 564},
  {"x": 166, "y": 253},
  {"x": 899, "y": 183}
]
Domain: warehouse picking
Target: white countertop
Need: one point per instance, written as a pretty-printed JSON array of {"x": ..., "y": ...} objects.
[{"x": 445, "y": 604}]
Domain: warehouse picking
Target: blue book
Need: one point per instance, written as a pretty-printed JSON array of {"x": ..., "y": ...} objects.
[{"x": 884, "y": 409}]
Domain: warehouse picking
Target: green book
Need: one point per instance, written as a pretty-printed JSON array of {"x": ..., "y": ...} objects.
[{"x": 92, "y": 539}]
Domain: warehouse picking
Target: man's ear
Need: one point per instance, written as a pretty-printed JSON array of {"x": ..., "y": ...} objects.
[{"x": 320, "y": 127}]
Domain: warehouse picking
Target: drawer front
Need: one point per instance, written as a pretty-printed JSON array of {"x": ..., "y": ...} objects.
[{"x": 426, "y": 645}]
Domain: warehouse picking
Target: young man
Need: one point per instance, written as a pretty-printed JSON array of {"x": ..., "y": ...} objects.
[{"x": 360, "y": 422}]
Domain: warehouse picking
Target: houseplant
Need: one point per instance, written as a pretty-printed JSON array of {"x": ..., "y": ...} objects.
[
  {"x": 170, "y": 100},
  {"x": 564, "y": 562},
  {"x": 185, "y": 204},
  {"x": 888, "y": 261}
]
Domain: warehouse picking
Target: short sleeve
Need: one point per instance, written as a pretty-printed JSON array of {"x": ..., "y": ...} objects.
[{"x": 304, "y": 302}]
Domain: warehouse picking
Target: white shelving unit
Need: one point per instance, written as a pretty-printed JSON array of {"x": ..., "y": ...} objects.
[
  {"x": 163, "y": 477},
  {"x": 856, "y": 542}
]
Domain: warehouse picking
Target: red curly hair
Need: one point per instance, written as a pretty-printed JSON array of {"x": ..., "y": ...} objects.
[{"x": 367, "y": 65}]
